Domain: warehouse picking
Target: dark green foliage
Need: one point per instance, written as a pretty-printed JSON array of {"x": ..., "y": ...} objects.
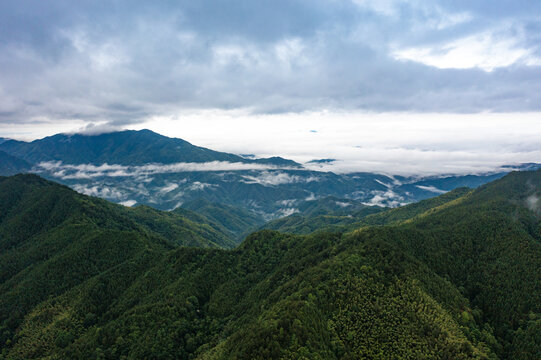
[
  {"x": 458, "y": 277},
  {"x": 318, "y": 216},
  {"x": 331, "y": 205},
  {"x": 229, "y": 219},
  {"x": 183, "y": 228},
  {"x": 53, "y": 239}
]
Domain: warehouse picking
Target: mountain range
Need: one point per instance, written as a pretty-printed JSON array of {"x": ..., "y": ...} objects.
[
  {"x": 11, "y": 165},
  {"x": 456, "y": 276},
  {"x": 142, "y": 167},
  {"x": 123, "y": 148}
]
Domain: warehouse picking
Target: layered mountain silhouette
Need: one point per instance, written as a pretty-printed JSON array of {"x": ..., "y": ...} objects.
[
  {"x": 127, "y": 147},
  {"x": 142, "y": 167}
]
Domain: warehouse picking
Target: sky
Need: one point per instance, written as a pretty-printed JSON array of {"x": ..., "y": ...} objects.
[{"x": 382, "y": 85}]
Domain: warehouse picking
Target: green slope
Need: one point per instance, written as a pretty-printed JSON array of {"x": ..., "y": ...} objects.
[
  {"x": 277, "y": 296},
  {"x": 455, "y": 278},
  {"x": 183, "y": 228},
  {"x": 318, "y": 217},
  {"x": 400, "y": 214},
  {"x": 52, "y": 239},
  {"x": 235, "y": 220},
  {"x": 488, "y": 244}
]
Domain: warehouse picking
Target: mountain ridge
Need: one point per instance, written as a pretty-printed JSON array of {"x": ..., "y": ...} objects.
[
  {"x": 11, "y": 165},
  {"x": 152, "y": 176},
  {"x": 453, "y": 277},
  {"x": 127, "y": 147}
]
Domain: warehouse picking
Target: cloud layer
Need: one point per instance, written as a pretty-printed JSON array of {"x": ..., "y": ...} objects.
[
  {"x": 89, "y": 171},
  {"x": 125, "y": 62}
]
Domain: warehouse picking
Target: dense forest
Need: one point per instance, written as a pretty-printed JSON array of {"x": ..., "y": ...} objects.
[{"x": 454, "y": 277}]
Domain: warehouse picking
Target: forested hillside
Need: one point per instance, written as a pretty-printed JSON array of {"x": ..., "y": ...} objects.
[
  {"x": 306, "y": 223},
  {"x": 456, "y": 277},
  {"x": 235, "y": 221}
]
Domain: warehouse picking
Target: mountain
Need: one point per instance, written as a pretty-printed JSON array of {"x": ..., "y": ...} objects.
[
  {"x": 10, "y": 165},
  {"x": 28, "y": 198},
  {"x": 343, "y": 221},
  {"x": 331, "y": 205},
  {"x": 52, "y": 239},
  {"x": 128, "y": 147},
  {"x": 2, "y": 139},
  {"x": 145, "y": 168},
  {"x": 455, "y": 277},
  {"x": 277, "y": 161},
  {"x": 233, "y": 220},
  {"x": 325, "y": 214}
]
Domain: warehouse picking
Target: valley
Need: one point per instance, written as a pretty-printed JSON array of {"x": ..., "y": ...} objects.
[{"x": 142, "y": 167}]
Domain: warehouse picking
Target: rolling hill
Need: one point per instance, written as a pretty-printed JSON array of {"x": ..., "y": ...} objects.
[
  {"x": 306, "y": 223},
  {"x": 456, "y": 277},
  {"x": 233, "y": 220}
]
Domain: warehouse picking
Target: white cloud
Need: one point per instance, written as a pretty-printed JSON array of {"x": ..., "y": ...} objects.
[
  {"x": 168, "y": 188},
  {"x": 385, "y": 198},
  {"x": 388, "y": 143},
  {"x": 100, "y": 56},
  {"x": 177, "y": 205},
  {"x": 198, "y": 186},
  {"x": 287, "y": 202},
  {"x": 99, "y": 191},
  {"x": 342, "y": 204},
  {"x": 89, "y": 171},
  {"x": 431, "y": 189},
  {"x": 290, "y": 50},
  {"x": 286, "y": 212},
  {"x": 532, "y": 203},
  {"x": 207, "y": 166},
  {"x": 128, "y": 203},
  {"x": 486, "y": 51},
  {"x": 384, "y": 184},
  {"x": 447, "y": 20},
  {"x": 277, "y": 178}
]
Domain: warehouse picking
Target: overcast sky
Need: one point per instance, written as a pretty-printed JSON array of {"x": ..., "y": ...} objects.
[{"x": 326, "y": 71}]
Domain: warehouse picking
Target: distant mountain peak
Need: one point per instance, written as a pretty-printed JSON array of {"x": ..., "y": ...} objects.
[
  {"x": 321, "y": 161},
  {"x": 126, "y": 147}
]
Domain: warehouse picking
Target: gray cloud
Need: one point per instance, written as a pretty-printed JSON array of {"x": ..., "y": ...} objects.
[{"x": 126, "y": 61}]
